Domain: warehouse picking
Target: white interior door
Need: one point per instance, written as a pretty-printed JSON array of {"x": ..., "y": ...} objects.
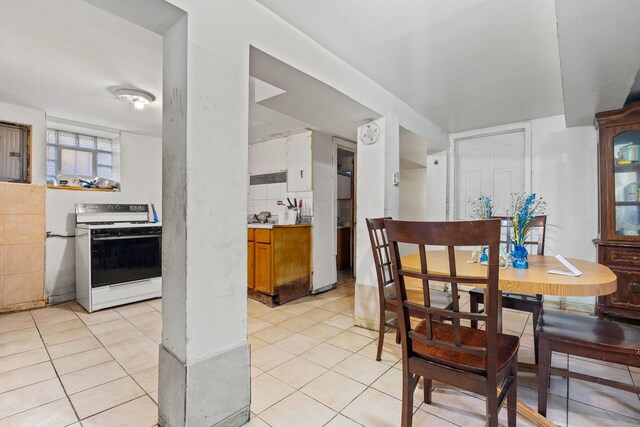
[{"x": 492, "y": 165}]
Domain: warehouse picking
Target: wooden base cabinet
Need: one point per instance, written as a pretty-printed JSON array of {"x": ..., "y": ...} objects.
[
  {"x": 624, "y": 260},
  {"x": 279, "y": 263},
  {"x": 619, "y": 184}
]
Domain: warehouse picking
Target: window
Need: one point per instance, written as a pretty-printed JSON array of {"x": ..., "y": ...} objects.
[{"x": 71, "y": 153}]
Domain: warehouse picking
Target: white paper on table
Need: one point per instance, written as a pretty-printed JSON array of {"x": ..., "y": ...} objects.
[{"x": 573, "y": 271}]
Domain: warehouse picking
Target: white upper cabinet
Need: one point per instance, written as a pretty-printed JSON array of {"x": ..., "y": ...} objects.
[{"x": 299, "y": 162}]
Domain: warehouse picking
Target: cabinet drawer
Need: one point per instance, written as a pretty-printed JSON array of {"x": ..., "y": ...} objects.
[
  {"x": 624, "y": 257},
  {"x": 627, "y": 294},
  {"x": 251, "y": 234},
  {"x": 262, "y": 236}
]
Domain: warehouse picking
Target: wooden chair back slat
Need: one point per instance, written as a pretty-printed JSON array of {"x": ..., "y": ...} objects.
[
  {"x": 538, "y": 226},
  {"x": 471, "y": 280},
  {"x": 440, "y": 312},
  {"x": 448, "y": 235},
  {"x": 381, "y": 254},
  {"x": 444, "y": 345}
]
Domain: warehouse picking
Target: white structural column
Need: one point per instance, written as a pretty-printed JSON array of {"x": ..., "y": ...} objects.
[
  {"x": 204, "y": 356},
  {"x": 377, "y": 196}
]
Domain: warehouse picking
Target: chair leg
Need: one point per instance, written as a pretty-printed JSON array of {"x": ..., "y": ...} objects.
[
  {"x": 381, "y": 331},
  {"x": 543, "y": 376},
  {"x": 428, "y": 386},
  {"x": 492, "y": 407},
  {"x": 536, "y": 316},
  {"x": 397, "y": 336},
  {"x": 512, "y": 398},
  {"x": 473, "y": 308},
  {"x": 409, "y": 382}
]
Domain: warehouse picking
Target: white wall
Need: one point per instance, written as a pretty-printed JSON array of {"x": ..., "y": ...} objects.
[
  {"x": 141, "y": 182},
  {"x": 377, "y": 196},
  {"x": 413, "y": 194},
  {"x": 565, "y": 173},
  {"x": 437, "y": 186}
]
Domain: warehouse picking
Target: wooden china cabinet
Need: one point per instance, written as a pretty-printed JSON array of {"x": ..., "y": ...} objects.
[{"x": 619, "y": 179}]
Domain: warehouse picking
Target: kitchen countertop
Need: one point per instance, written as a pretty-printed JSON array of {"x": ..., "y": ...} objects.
[{"x": 270, "y": 226}]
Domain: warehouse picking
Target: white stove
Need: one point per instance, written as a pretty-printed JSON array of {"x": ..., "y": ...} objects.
[
  {"x": 118, "y": 255},
  {"x": 107, "y": 225}
]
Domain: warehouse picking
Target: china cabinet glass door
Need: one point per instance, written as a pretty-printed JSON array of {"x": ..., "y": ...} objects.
[{"x": 626, "y": 151}]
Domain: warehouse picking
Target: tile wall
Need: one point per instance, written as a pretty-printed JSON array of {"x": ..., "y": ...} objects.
[
  {"x": 265, "y": 197},
  {"x": 22, "y": 235}
]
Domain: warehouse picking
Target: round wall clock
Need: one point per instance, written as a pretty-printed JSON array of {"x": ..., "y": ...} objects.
[{"x": 368, "y": 133}]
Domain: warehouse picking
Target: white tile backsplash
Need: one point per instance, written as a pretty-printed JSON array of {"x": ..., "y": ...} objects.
[
  {"x": 272, "y": 206},
  {"x": 307, "y": 206},
  {"x": 265, "y": 197},
  {"x": 274, "y": 191},
  {"x": 259, "y": 192},
  {"x": 259, "y": 206}
]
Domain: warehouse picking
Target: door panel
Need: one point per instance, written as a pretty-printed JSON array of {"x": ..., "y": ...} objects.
[
  {"x": 493, "y": 165},
  {"x": 262, "y": 277},
  {"x": 627, "y": 294}
]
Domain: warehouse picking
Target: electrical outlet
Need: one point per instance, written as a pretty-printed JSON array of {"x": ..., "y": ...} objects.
[{"x": 396, "y": 179}]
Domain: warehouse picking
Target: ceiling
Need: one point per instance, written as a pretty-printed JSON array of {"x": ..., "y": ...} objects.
[
  {"x": 462, "y": 64},
  {"x": 63, "y": 56},
  {"x": 600, "y": 55},
  {"x": 478, "y": 63},
  {"x": 71, "y": 70}
]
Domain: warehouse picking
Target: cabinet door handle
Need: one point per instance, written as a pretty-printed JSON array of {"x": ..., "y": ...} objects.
[{"x": 634, "y": 287}]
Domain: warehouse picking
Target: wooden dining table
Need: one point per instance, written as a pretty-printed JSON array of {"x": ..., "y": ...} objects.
[{"x": 596, "y": 280}]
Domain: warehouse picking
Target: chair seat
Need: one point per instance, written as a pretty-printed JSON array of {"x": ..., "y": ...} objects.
[
  {"x": 507, "y": 348},
  {"x": 589, "y": 331}
]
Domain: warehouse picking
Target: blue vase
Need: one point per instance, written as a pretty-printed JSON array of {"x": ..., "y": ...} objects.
[
  {"x": 519, "y": 254},
  {"x": 484, "y": 257}
]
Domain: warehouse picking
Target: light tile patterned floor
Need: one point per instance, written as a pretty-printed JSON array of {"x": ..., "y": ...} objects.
[{"x": 310, "y": 367}]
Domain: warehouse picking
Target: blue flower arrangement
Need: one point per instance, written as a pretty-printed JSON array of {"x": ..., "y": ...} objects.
[
  {"x": 482, "y": 207},
  {"x": 525, "y": 208}
]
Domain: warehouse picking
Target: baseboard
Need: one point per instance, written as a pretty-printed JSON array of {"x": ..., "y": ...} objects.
[{"x": 569, "y": 305}]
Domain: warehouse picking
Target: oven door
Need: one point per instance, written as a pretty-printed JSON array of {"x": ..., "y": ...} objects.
[{"x": 125, "y": 255}]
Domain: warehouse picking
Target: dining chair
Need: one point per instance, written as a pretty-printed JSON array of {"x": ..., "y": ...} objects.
[
  {"x": 480, "y": 361},
  {"x": 515, "y": 300},
  {"x": 386, "y": 289},
  {"x": 587, "y": 337}
]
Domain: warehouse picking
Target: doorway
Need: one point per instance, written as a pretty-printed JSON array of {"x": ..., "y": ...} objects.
[{"x": 345, "y": 224}]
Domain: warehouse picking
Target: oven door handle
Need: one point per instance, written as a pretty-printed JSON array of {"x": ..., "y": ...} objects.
[{"x": 146, "y": 236}]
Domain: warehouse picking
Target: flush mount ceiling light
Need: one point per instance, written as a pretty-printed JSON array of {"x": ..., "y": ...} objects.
[{"x": 138, "y": 98}]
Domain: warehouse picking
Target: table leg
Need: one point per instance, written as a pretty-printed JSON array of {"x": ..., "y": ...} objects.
[{"x": 499, "y": 311}]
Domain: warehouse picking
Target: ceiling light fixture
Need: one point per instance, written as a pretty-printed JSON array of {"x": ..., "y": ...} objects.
[{"x": 138, "y": 98}]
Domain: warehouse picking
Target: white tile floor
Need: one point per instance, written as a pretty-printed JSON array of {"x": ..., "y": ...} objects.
[{"x": 60, "y": 366}]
